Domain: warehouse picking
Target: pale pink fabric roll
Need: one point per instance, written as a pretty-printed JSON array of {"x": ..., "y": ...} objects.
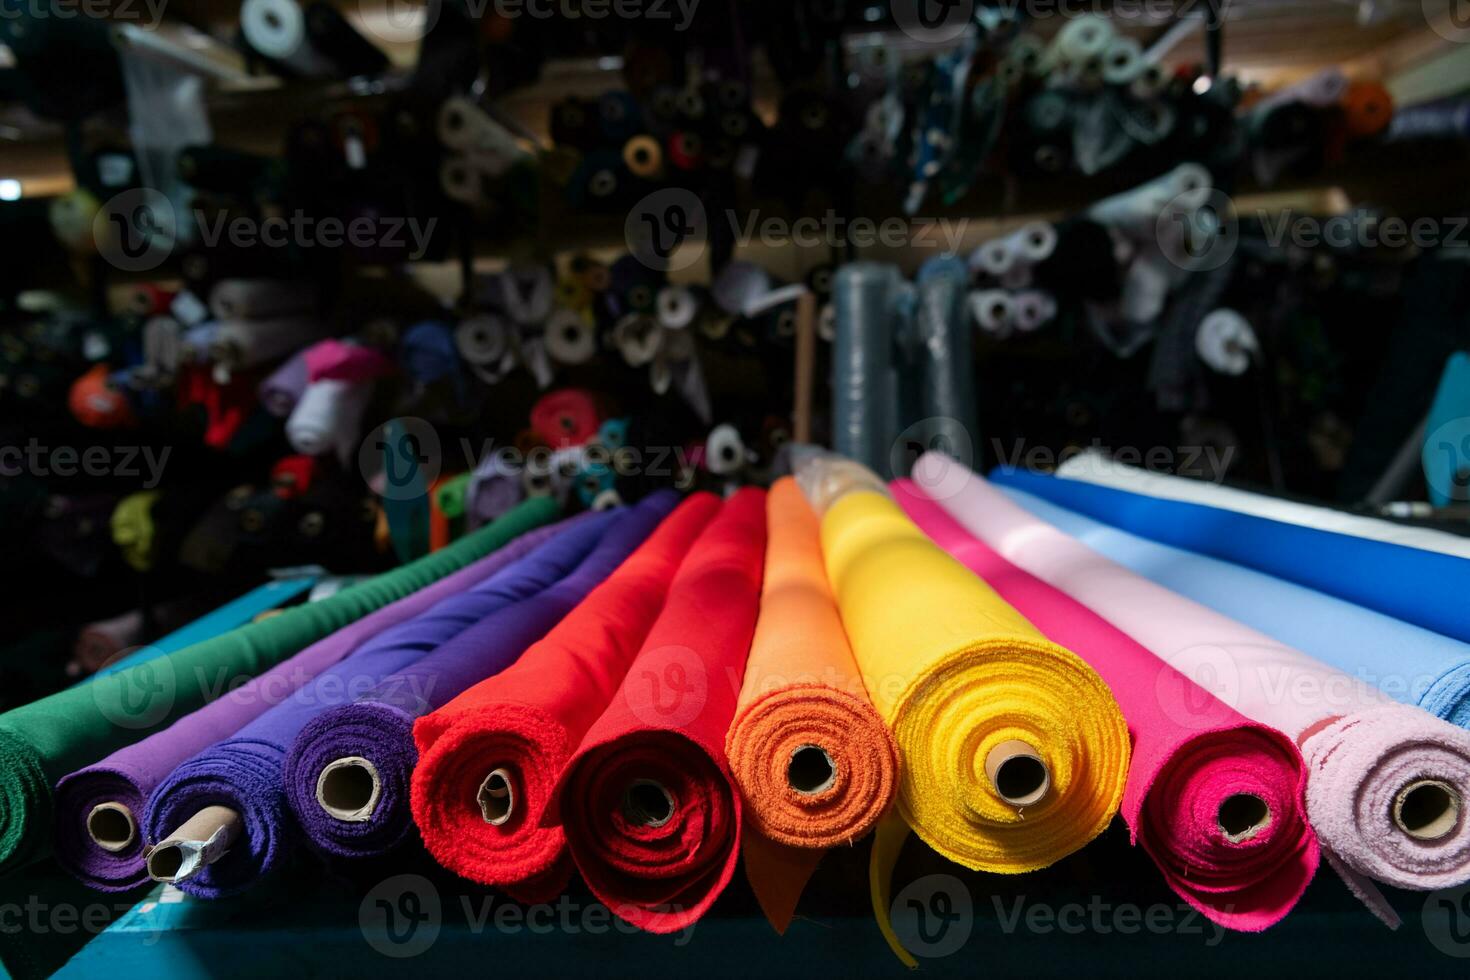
[{"x": 1361, "y": 749}]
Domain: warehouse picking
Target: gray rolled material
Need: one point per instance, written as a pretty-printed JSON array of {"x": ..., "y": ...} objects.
[
  {"x": 863, "y": 382},
  {"x": 942, "y": 325}
]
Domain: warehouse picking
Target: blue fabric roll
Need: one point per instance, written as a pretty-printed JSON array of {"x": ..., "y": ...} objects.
[
  {"x": 1420, "y": 587},
  {"x": 1408, "y": 663}
]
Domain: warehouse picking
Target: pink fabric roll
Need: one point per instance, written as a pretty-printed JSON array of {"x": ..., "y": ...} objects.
[
  {"x": 1193, "y": 756},
  {"x": 1334, "y": 718},
  {"x": 334, "y": 360}
]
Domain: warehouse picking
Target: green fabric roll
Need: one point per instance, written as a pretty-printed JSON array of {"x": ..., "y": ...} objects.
[{"x": 45, "y": 740}]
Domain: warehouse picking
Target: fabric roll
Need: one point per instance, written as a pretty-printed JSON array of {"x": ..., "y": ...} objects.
[
  {"x": 49, "y": 738},
  {"x": 568, "y": 417},
  {"x": 1410, "y": 664},
  {"x": 1419, "y": 587},
  {"x": 1213, "y": 797},
  {"x": 231, "y": 615},
  {"x": 652, "y": 816},
  {"x": 864, "y": 389},
  {"x": 328, "y": 418},
  {"x": 815, "y": 764},
  {"x": 944, "y": 336},
  {"x": 968, "y": 687},
  {"x": 246, "y": 772},
  {"x": 117, "y": 788},
  {"x": 340, "y": 361},
  {"x": 1328, "y": 713},
  {"x": 526, "y": 722},
  {"x": 376, "y": 732},
  {"x": 284, "y": 386},
  {"x": 1093, "y": 467}
]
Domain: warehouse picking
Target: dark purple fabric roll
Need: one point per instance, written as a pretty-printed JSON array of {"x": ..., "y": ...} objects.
[
  {"x": 126, "y": 778},
  {"x": 378, "y": 728},
  {"x": 246, "y": 772}
]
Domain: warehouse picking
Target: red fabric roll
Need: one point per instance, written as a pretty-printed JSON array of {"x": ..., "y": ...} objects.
[
  {"x": 651, "y": 811},
  {"x": 568, "y": 417},
  {"x": 527, "y": 720}
]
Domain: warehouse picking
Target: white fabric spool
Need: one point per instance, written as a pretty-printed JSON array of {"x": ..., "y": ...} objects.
[{"x": 1225, "y": 341}]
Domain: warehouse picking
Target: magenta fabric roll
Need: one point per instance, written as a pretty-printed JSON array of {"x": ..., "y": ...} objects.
[
  {"x": 127, "y": 777},
  {"x": 335, "y": 360},
  {"x": 246, "y": 772},
  {"x": 1192, "y": 754},
  {"x": 378, "y": 728}
]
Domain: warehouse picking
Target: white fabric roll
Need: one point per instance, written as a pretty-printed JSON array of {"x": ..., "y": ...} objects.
[
  {"x": 1225, "y": 341},
  {"x": 570, "y": 339},
  {"x": 328, "y": 418}
]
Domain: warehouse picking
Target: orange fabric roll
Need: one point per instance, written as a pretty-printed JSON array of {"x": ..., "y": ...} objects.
[
  {"x": 815, "y": 764},
  {"x": 1367, "y": 109}
]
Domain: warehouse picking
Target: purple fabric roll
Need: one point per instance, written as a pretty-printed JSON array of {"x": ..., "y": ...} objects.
[
  {"x": 127, "y": 777},
  {"x": 282, "y": 389},
  {"x": 378, "y": 728},
  {"x": 246, "y": 772}
]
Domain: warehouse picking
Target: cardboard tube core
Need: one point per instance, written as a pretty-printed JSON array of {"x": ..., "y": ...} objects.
[
  {"x": 111, "y": 826},
  {"x": 1427, "y": 809},
  {"x": 811, "y": 770},
  {"x": 348, "y": 789},
  {"x": 1243, "y": 816},
  {"x": 647, "y": 804},
  {"x": 1017, "y": 773},
  {"x": 497, "y": 797},
  {"x": 202, "y": 840}
]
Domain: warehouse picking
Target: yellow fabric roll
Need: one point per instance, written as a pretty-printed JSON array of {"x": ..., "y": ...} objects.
[{"x": 957, "y": 674}]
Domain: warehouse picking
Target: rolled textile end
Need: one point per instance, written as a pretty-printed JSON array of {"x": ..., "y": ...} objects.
[{"x": 202, "y": 840}]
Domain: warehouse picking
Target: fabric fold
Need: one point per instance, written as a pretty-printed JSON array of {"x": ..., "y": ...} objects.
[{"x": 651, "y": 814}]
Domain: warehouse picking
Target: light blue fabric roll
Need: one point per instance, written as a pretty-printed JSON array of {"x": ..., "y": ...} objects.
[{"x": 1408, "y": 663}]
